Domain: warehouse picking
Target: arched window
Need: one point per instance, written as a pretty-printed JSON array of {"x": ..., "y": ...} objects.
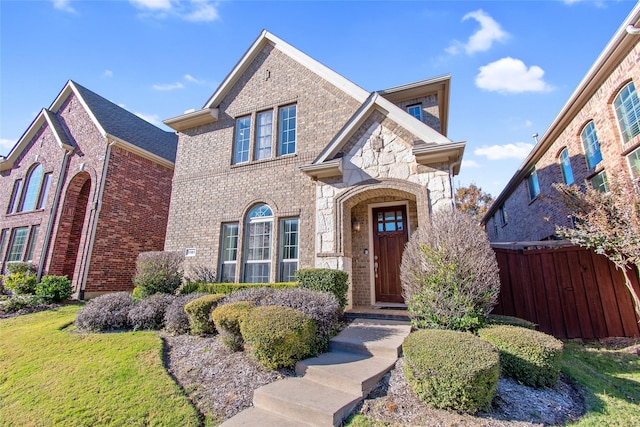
[
  {"x": 565, "y": 165},
  {"x": 627, "y": 108},
  {"x": 591, "y": 145},
  {"x": 31, "y": 189},
  {"x": 259, "y": 232}
]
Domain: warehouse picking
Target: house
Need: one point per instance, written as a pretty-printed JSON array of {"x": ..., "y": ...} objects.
[
  {"x": 84, "y": 190},
  {"x": 289, "y": 165},
  {"x": 596, "y": 135}
]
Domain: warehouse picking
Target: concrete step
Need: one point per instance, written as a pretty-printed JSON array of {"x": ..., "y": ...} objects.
[
  {"x": 350, "y": 372},
  {"x": 373, "y": 337},
  {"x": 306, "y": 401},
  {"x": 252, "y": 417}
]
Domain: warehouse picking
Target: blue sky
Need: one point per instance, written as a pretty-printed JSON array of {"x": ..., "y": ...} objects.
[{"x": 513, "y": 63}]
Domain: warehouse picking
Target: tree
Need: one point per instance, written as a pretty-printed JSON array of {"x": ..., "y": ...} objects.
[
  {"x": 608, "y": 223},
  {"x": 473, "y": 201}
]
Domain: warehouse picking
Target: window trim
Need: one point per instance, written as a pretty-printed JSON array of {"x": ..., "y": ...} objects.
[
  {"x": 15, "y": 196},
  {"x": 565, "y": 163},
  {"x": 420, "y": 113},
  {"x": 281, "y": 130},
  {"x": 627, "y": 134},
  {"x": 635, "y": 177},
  {"x": 585, "y": 146},
  {"x": 12, "y": 242},
  {"x": 223, "y": 248},
  {"x": 258, "y": 215},
  {"x": 259, "y": 136},
  {"x": 31, "y": 243},
  {"x": 604, "y": 187},
  {"x": 45, "y": 185},
  {"x": 238, "y": 155},
  {"x": 533, "y": 185},
  {"x": 31, "y": 188},
  {"x": 282, "y": 244}
]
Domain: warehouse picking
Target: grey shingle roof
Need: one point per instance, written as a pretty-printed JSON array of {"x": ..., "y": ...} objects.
[{"x": 124, "y": 125}]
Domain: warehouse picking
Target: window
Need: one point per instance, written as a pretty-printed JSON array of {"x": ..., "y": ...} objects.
[
  {"x": 288, "y": 249},
  {"x": 264, "y": 130},
  {"x": 591, "y": 145},
  {"x": 257, "y": 267},
  {"x": 18, "y": 241},
  {"x": 495, "y": 224},
  {"x": 31, "y": 189},
  {"x": 15, "y": 196},
  {"x": 504, "y": 218},
  {"x": 3, "y": 239},
  {"x": 627, "y": 108},
  {"x": 44, "y": 191},
  {"x": 242, "y": 138},
  {"x": 415, "y": 111},
  {"x": 565, "y": 164},
  {"x": 634, "y": 163},
  {"x": 229, "y": 252},
  {"x": 287, "y": 142},
  {"x": 32, "y": 243},
  {"x": 533, "y": 184},
  {"x": 599, "y": 182}
]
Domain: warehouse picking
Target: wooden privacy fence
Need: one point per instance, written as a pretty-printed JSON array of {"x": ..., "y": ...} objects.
[{"x": 570, "y": 292}]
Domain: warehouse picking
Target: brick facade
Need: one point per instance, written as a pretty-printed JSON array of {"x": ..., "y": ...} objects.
[
  {"x": 94, "y": 222},
  {"x": 530, "y": 220}
]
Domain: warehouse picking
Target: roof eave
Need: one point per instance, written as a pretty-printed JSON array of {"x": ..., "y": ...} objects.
[
  {"x": 431, "y": 154},
  {"x": 328, "y": 169},
  {"x": 140, "y": 152},
  {"x": 192, "y": 119}
]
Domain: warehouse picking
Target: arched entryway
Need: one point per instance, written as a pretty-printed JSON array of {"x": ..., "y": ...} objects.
[{"x": 69, "y": 234}]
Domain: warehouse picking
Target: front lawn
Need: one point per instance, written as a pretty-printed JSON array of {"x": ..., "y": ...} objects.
[{"x": 52, "y": 376}]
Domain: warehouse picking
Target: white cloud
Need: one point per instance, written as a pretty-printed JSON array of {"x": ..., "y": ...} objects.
[
  {"x": 202, "y": 11},
  {"x": 470, "y": 164},
  {"x": 528, "y": 123},
  {"x": 482, "y": 40},
  {"x": 152, "y": 4},
  {"x": 190, "y": 78},
  {"x": 64, "y": 5},
  {"x": 519, "y": 150},
  {"x": 509, "y": 75},
  {"x": 188, "y": 10},
  {"x": 154, "y": 119},
  {"x": 107, "y": 73},
  {"x": 168, "y": 86}
]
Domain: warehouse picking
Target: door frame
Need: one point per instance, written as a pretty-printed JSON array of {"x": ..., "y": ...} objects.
[{"x": 370, "y": 208}]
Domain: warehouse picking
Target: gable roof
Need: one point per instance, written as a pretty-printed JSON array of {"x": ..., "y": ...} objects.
[{"x": 620, "y": 45}]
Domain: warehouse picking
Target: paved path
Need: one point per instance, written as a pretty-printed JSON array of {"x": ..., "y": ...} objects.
[{"x": 331, "y": 385}]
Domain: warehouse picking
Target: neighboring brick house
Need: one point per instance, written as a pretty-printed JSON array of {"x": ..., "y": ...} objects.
[
  {"x": 595, "y": 135},
  {"x": 84, "y": 190},
  {"x": 289, "y": 165}
]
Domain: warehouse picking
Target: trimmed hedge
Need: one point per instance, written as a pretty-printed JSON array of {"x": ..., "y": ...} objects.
[
  {"x": 530, "y": 357},
  {"x": 325, "y": 280},
  {"x": 498, "y": 319},
  {"x": 149, "y": 313},
  {"x": 451, "y": 369},
  {"x": 176, "y": 320},
  {"x": 228, "y": 288},
  {"x": 279, "y": 336},
  {"x": 106, "y": 312},
  {"x": 199, "y": 313},
  {"x": 227, "y": 319}
]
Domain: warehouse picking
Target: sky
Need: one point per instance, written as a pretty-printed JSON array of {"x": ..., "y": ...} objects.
[{"x": 513, "y": 64}]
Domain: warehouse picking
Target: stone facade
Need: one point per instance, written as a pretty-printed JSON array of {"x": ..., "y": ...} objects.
[
  {"x": 531, "y": 220},
  {"x": 104, "y": 203},
  {"x": 375, "y": 151}
]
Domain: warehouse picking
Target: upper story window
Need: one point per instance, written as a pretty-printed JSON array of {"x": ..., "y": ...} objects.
[
  {"x": 591, "y": 145},
  {"x": 15, "y": 196},
  {"x": 634, "y": 163},
  {"x": 533, "y": 184},
  {"x": 415, "y": 110},
  {"x": 241, "y": 140},
  {"x": 565, "y": 164},
  {"x": 287, "y": 141},
  {"x": 599, "y": 182},
  {"x": 31, "y": 189},
  {"x": 33, "y": 194},
  {"x": 627, "y": 108},
  {"x": 264, "y": 131},
  {"x": 504, "y": 218},
  {"x": 259, "y": 230}
]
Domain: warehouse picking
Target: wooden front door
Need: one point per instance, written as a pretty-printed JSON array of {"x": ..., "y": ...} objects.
[{"x": 389, "y": 237}]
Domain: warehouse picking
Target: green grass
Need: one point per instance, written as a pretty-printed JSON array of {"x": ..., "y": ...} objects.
[
  {"x": 51, "y": 376},
  {"x": 611, "y": 380}
]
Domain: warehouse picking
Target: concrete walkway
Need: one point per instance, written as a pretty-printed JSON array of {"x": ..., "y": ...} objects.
[{"x": 331, "y": 385}]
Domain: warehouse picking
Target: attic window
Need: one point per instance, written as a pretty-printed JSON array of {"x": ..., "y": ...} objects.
[{"x": 415, "y": 110}]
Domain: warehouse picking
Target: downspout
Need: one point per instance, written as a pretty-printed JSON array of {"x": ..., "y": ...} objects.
[
  {"x": 451, "y": 185},
  {"x": 96, "y": 209},
  {"x": 54, "y": 211}
]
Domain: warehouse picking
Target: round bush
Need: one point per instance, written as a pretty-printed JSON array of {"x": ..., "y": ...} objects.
[
  {"x": 449, "y": 274},
  {"x": 279, "y": 336},
  {"x": 498, "y": 319},
  {"x": 21, "y": 282},
  {"x": 227, "y": 319},
  {"x": 149, "y": 312},
  {"x": 54, "y": 288},
  {"x": 176, "y": 320},
  {"x": 199, "y": 313},
  {"x": 451, "y": 369},
  {"x": 106, "y": 312},
  {"x": 158, "y": 272},
  {"x": 528, "y": 356}
]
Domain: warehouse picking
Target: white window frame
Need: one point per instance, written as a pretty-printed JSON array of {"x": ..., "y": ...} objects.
[
  {"x": 285, "y": 129},
  {"x": 628, "y": 119},
  {"x": 565, "y": 164},
  {"x": 242, "y": 140},
  {"x": 22, "y": 244},
  {"x": 533, "y": 184},
  {"x": 633, "y": 160},
  {"x": 258, "y": 215},
  {"x": 286, "y": 245},
  {"x": 264, "y": 136},
  {"x": 589, "y": 137},
  {"x": 229, "y": 234},
  {"x": 603, "y": 185}
]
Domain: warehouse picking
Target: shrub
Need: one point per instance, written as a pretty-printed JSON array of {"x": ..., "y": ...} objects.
[
  {"x": 54, "y": 288},
  {"x": 18, "y": 302},
  {"x": 106, "y": 312},
  {"x": 322, "y": 307},
  {"x": 227, "y": 319},
  {"x": 201, "y": 274},
  {"x": 449, "y": 274},
  {"x": 158, "y": 272},
  {"x": 278, "y": 336},
  {"x": 149, "y": 312},
  {"x": 258, "y": 296},
  {"x": 20, "y": 267},
  {"x": 176, "y": 320},
  {"x": 228, "y": 288},
  {"x": 528, "y": 356},
  {"x": 451, "y": 369},
  {"x": 325, "y": 280},
  {"x": 498, "y": 319},
  {"x": 21, "y": 283},
  {"x": 199, "y": 313}
]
